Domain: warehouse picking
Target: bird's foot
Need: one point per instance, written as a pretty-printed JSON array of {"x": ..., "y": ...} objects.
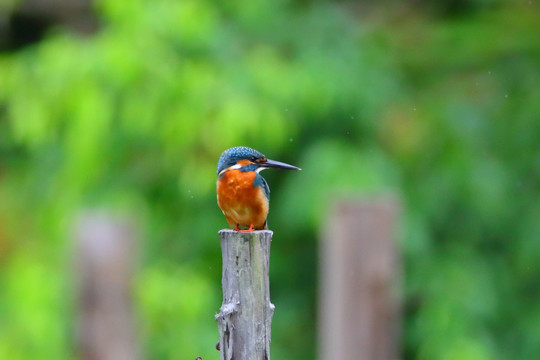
[
  {"x": 251, "y": 229},
  {"x": 237, "y": 228}
]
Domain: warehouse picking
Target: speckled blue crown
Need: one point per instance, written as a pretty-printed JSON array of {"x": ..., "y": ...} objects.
[{"x": 231, "y": 156}]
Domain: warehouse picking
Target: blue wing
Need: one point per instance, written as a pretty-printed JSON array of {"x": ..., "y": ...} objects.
[{"x": 260, "y": 181}]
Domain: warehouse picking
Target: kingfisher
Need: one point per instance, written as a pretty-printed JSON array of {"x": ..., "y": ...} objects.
[{"x": 242, "y": 193}]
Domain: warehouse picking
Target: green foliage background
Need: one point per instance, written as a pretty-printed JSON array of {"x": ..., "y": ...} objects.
[{"x": 436, "y": 103}]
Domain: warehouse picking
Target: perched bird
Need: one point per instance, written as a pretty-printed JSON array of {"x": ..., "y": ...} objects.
[{"x": 242, "y": 193}]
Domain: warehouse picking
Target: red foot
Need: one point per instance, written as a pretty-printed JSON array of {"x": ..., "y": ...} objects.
[
  {"x": 251, "y": 229},
  {"x": 237, "y": 228}
]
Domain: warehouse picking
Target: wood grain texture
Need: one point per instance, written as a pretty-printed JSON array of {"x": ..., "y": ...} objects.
[{"x": 246, "y": 313}]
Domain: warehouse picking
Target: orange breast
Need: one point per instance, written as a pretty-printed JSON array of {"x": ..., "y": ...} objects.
[{"x": 241, "y": 202}]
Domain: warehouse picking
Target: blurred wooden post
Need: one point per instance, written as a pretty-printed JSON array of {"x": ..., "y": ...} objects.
[
  {"x": 359, "y": 314},
  {"x": 105, "y": 257},
  {"x": 246, "y": 313}
]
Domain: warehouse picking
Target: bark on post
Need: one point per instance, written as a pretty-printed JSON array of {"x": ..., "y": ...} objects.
[{"x": 246, "y": 313}]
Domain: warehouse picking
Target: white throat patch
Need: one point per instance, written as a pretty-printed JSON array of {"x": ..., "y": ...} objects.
[{"x": 234, "y": 167}]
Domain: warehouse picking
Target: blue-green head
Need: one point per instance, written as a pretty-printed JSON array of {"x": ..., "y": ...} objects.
[{"x": 247, "y": 159}]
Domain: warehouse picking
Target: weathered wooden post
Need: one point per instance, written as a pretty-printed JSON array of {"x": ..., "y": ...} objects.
[
  {"x": 359, "y": 313},
  {"x": 246, "y": 313},
  {"x": 105, "y": 257}
]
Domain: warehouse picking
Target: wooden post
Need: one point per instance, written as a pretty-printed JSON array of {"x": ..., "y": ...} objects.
[
  {"x": 246, "y": 313},
  {"x": 359, "y": 315},
  {"x": 105, "y": 257}
]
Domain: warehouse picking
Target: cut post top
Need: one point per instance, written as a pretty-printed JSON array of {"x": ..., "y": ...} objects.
[{"x": 228, "y": 231}]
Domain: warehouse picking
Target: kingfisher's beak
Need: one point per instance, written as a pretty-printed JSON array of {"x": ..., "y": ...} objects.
[{"x": 278, "y": 165}]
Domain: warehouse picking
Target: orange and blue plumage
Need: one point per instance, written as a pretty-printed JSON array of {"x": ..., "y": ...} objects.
[{"x": 242, "y": 193}]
